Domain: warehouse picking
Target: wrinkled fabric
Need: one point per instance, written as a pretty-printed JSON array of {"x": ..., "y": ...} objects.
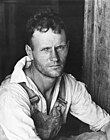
[
  {"x": 2, "y": 134},
  {"x": 15, "y": 116},
  {"x": 87, "y": 136}
]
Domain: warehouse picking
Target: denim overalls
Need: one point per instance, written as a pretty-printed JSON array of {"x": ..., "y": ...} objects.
[{"x": 48, "y": 125}]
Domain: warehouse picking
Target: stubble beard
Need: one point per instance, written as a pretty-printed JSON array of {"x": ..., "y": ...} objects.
[{"x": 48, "y": 71}]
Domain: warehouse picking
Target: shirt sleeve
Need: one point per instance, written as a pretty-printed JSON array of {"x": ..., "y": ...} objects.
[
  {"x": 15, "y": 114},
  {"x": 86, "y": 110}
]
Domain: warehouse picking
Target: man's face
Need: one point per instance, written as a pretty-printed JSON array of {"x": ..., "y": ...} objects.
[{"x": 49, "y": 52}]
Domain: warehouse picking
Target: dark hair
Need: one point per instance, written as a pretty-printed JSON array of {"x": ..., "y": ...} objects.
[{"x": 43, "y": 20}]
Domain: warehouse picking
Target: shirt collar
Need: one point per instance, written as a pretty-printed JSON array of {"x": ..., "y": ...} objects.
[{"x": 18, "y": 74}]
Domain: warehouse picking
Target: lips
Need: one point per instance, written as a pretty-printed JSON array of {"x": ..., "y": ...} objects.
[{"x": 55, "y": 66}]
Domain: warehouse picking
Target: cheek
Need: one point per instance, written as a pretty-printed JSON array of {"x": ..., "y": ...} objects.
[
  {"x": 63, "y": 56},
  {"x": 39, "y": 56},
  {"x": 41, "y": 59}
]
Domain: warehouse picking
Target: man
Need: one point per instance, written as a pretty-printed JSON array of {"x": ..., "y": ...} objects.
[{"x": 36, "y": 98}]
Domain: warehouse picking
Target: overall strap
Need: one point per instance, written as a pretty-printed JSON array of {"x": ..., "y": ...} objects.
[
  {"x": 32, "y": 95},
  {"x": 62, "y": 99},
  {"x": 62, "y": 91}
]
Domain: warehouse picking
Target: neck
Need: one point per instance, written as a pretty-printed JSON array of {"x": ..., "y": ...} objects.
[{"x": 43, "y": 82}]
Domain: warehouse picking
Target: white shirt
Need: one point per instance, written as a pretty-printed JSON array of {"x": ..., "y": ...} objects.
[{"x": 15, "y": 114}]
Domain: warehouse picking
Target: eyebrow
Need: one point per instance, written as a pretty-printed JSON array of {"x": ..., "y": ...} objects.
[
  {"x": 49, "y": 45},
  {"x": 46, "y": 47}
]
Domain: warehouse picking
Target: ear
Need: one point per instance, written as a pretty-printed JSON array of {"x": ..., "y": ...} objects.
[
  {"x": 68, "y": 44},
  {"x": 29, "y": 51}
]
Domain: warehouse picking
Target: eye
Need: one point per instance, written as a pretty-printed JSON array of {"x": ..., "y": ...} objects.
[
  {"x": 61, "y": 47},
  {"x": 47, "y": 49}
]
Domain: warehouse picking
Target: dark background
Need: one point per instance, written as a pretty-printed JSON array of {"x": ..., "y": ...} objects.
[{"x": 13, "y": 17}]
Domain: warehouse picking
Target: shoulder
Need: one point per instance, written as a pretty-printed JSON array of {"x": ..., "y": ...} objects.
[
  {"x": 13, "y": 99},
  {"x": 10, "y": 87},
  {"x": 69, "y": 78},
  {"x": 73, "y": 83},
  {"x": 12, "y": 92}
]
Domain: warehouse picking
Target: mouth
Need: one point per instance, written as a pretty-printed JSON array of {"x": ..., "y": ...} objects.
[{"x": 55, "y": 66}]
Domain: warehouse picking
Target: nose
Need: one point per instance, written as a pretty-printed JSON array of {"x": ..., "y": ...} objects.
[{"x": 54, "y": 55}]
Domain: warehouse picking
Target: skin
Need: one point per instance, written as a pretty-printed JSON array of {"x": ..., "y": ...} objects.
[{"x": 48, "y": 59}]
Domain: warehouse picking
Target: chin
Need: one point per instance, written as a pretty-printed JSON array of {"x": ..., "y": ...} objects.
[
  {"x": 55, "y": 75},
  {"x": 52, "y": 73}
]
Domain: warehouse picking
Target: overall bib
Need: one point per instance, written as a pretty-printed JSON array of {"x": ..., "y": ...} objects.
[{"x": 47, "y": 125}]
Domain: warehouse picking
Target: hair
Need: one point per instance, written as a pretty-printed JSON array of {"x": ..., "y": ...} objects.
[{"x": 43, "y": 20}]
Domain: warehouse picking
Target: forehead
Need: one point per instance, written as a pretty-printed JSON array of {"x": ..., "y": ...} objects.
[{"x": 49, "y": 36}]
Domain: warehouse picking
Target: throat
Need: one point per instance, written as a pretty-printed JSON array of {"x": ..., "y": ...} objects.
[
  {"x": 45, "y": 85},
  {"x": 48, "y": 97}
]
